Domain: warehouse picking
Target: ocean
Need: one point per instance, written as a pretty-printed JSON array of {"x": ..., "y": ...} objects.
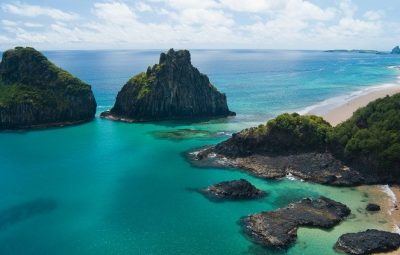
[{"x": 110, "y": 188}]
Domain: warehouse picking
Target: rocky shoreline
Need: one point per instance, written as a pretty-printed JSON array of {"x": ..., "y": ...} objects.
[{"x": 316, "y": 167}]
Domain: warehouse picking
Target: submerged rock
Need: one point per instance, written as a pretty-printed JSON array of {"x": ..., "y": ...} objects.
[
  {"x": 186, "y": 133},
  {"x": 172, "y": 89},
  {"x": 368, "y": 242},
  {"x": 278, "y": 229},
  {"x": 373, "y": 208},
  {"x": 396, "y": 50},
  {"x": 234, "y": 190},
  {"x": 36, "y": 93}
]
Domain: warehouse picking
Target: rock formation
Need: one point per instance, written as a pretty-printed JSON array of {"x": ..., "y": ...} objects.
[
  {"x": 373, "y": 208},
  {"x": 36, "y": 93},
  {"x": 368, "y": 242},
  {"x": 172, "y": 89},
  {"x": 362, "y": 150},
  {"x": 315, "y": 167},
  {"x": 278, "y": 229},
  {"x": 233, "y": 190},
  {"x": 289, "y": 144},
  {"x": 396, "y": 50}
]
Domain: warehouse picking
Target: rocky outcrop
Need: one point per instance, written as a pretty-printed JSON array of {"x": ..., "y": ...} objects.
[
  {"x": 308, "y": 147},
  {"x": 233, "y": 190},
  {"x": 172, "y": 89},
  {"x": 373, "y": 208},
  {"x": 36, "y": 93},
  {"x": 396, "y": 50},
  {"x": 290, "y": 144},
  {"x": 368, "y": 242},
  {"x": 315, "y": 167},
  {"x": 278, "y": 229}
]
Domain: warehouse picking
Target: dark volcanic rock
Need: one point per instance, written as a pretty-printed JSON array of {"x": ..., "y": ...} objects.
[
  {"x": 368, "y": 242},
  {"x": 172, "y": 89},
  {"x": 396, "y": 50},
  {"x": 278, "y": 229},
  {"x": 36, "y": 93},
  {"x": 316, "y": 167},
  {"x": 235, "y": 190},
  {"x": 373, "y": 207}
]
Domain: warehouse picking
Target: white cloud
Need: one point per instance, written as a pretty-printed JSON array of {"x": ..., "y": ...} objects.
[
  {"x": 194, "y": 23},
  {"x": 253, "y": 5},
  {"x": 374, "y": 15},
  {"x": 191, "y": 4},
  {"x": 203, "y": 17},
  {"x": 348, "y": 8},
  {"x": 4, "y": 39},
  {"x": 32, "y": 25},
  {"x": 114, "y": 12},
  {"x": 142, "y": 7},
  {"x": 9, "y": 23},
  {"x": 27, "y": 10}
]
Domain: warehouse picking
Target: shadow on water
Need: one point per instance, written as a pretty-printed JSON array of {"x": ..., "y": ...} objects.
[
  {"x": 188, "y": 133},
  {"x": 24, "y": 211},
  {"x": 293, "y": 195},
  {"x": 194, "y": 121}
]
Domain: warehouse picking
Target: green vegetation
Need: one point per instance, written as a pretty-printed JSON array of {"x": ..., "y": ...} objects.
[
  {"x": 287, "y": 133},
  {"x": 26, "y": 76},
  {"x": 300, "y": 132},
  {"x": 370, "y": 139},
  {"x": 35, "y": 91},
  {"x": 141, "y": 84}
]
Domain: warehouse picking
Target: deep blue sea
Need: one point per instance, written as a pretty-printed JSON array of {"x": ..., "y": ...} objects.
[{"x": 116, "y": 188}]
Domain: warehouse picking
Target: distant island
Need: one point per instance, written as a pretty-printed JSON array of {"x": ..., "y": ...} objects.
[
  {"x": 171, "y": 90},
  {"x": 34, "y": 93},
  {"x": 396, "y": 50},
  {"x": 357, "y": 51}
]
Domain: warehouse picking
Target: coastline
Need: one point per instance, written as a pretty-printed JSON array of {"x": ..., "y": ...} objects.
[
  {"x": 339, "y": 113},
  {"x": 335, "y": 114}
]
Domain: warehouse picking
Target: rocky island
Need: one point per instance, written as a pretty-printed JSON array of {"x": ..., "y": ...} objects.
[
  {"x": 34, "y": 93},
  {"x": 233, "y": 190},
  {"x": 365, "y": 149},
  {"x": 171, "y": 90},
  {"x": 278, "y": 229},
  {"x": 368, "y": 242},
  {"x": 396, "y": 50}
]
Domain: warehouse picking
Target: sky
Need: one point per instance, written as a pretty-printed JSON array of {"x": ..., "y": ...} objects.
[{"x": 200, "y": 24}]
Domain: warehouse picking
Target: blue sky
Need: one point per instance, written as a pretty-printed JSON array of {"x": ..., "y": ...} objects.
[{"x": 145, "y": 24}]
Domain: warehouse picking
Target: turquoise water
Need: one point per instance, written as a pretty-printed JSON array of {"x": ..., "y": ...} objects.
[{"x": 115, "y": 188}]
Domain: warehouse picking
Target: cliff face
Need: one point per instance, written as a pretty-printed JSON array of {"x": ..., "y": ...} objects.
[
  {"x": 173, "y": 89},
  {"x": 36, "y": 93}
]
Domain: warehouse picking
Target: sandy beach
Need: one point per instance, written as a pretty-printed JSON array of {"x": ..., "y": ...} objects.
[
  {"x": 390, "y": 206},
  {"x": 343, "y": 112},
  {"x": 394, "y": 207}
]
